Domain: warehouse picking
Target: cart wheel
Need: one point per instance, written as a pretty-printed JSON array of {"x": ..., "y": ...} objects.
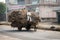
[
  {"x": 19, "y": 28},
  {"x": 27, "y": 28}
]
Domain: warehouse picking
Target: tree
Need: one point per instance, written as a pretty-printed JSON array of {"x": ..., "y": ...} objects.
[
  {"x": 2, "y": 11},
  {"x": 2, "y": 7}
]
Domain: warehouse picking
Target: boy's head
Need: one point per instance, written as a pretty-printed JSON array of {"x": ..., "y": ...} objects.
[{"x": 28, "y": 10}]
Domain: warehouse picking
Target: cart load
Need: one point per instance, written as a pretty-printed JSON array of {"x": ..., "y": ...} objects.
[{"x": 19, "y": 19}]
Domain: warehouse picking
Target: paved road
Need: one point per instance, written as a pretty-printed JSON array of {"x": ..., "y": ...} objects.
[{"x": 29, "y": 35}]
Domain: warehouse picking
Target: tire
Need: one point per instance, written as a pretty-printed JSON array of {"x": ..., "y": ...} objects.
[
  {"x": 19, "y": 28},
  {"x": 27, "y": 28}
]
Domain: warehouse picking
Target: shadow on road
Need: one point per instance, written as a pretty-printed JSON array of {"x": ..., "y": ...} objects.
[{"x": 19, "y": 31}]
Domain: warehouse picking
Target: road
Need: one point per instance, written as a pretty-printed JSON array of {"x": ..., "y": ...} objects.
[{"x": 29, "y": 35}]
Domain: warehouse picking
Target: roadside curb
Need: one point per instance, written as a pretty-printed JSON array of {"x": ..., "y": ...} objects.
[
  {"x": 5, "y": 23},
  {"x": 46, "y": 26}
]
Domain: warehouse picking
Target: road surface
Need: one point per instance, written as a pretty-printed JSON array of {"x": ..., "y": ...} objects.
[{"x": 29, "y": 35}]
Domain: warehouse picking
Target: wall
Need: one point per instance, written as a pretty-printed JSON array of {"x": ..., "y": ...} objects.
[{"x": 47, "y": 12}]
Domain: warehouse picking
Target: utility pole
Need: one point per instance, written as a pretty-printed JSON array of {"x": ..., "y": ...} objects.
[{"x": 6, "y": 14}]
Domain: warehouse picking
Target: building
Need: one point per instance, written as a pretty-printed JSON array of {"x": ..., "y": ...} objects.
[{"x": 44, "y": 7}]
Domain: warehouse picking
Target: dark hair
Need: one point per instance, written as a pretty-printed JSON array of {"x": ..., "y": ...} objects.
[{"x": 28, "y": 10}]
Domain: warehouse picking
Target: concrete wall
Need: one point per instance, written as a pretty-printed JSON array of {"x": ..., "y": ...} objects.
[
  {"x": 47, "y": 12},
  {"x": 58, "y": 1}
]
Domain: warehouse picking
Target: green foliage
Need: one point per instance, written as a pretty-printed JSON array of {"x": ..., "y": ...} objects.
[{"x": 2, "y": 8}]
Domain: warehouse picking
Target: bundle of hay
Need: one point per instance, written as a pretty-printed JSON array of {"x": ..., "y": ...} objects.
[
  {"x": 16, "y": 16},
  {"x": 35, "y": 18}
]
